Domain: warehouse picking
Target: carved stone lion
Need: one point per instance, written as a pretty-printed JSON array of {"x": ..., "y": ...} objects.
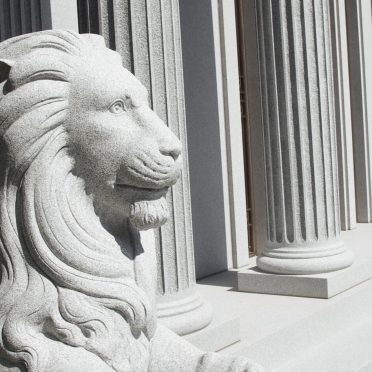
[{"x": 84, "y": 164}]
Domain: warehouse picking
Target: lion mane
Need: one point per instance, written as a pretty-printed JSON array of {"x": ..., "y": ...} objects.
[{"x": 62, "y": 276}]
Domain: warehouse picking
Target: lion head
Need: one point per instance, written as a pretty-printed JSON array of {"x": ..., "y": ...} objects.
[{"x": 84, "y": 163}]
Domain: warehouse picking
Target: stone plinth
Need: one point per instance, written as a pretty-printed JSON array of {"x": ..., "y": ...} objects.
[{"x": 317, "y": 285}]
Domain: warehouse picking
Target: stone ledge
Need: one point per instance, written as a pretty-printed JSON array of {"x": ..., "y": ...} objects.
[
  {"x": 218, "y": 335},
  {"x": 338, "y": 338},
  {"x": 316, "y": 285},
  {"x": 366, "y": 368}
]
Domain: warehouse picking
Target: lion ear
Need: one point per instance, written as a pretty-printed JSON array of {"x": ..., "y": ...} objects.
[{"x": 5, "y": 66}]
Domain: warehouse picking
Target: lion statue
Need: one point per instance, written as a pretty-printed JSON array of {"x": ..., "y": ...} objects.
[{"x": 84, "y": 165}]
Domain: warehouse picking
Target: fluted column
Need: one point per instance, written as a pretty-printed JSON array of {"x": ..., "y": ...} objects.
[
  {"x": 147, "y": 35},
  {"x": 25, "y": 16},
  {"x": 343, "y": 115},
  {"x": 359, "y": 33},
  {"x": 18, "y": 18},
  {"x": 303, "y": 217}
]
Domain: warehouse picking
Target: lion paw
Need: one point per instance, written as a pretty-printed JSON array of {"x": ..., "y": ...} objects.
[
  {"x": 212, "y": 362},
  {"x": 244, "y": 365}
]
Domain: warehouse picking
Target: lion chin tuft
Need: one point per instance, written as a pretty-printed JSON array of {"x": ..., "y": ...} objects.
[{"x": 149, "y": 214}]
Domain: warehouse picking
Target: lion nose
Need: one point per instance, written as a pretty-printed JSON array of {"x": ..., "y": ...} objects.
[{"x": 171, "y": 149}]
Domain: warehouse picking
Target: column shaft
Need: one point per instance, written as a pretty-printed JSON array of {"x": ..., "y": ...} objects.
[
  {"x": 359, "y": 33},
  {"x": 147, "y": 35},
  {"x": 19, "y": 18},
  {"x": 25, "y": 16},
  {"x": 303, "y": 220},
  {"x": 343, "y": 115}
]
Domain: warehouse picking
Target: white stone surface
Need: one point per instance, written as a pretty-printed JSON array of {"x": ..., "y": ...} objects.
[
  {"x": 359, "y": 31},
  {"x": 64, "y": 15},
  {"x": 85, "y": 164},
  {"x": 367, "y": 367},
  {"x": 337, "y": 338},
  {"x": 281, "y": 331},
  {"x": 185, "y": 313},
  {"x": 316, "y": 285},
  {"x": 343, "y": 115},
  {"x": 302, "y": 209},
  {"x": 227, "y": 74},
  {"x": 337, "y": 353},
  {"x": 147, "y": 36},
  {"x": 223, "y": 331}
]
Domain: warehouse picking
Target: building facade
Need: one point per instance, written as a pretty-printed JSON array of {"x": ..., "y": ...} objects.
[{"x": 272, "y": 101}]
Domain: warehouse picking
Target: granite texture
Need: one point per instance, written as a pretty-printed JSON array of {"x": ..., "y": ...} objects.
[
  {"x": 332, "y": 335},
  {"x": 147, "y": 36},
  {"x": 344, "y": 134},
  {"x": 359, "y": 30},
  {"x": 221, "y": 333},
  {"x": 85, "y": 164},
  {"x": 23, "y": 17},
  {"x": 303, "y": 212},
  {"x": 316, "y": 285}
]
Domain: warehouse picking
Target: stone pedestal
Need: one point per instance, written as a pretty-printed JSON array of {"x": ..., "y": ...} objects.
[
  {"x": 147, "y": 35},
  {"x": 303, "y": 219},
  {"x": 314, "y": 285}
]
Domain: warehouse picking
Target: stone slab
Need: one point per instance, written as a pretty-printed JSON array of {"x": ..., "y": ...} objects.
[
  {"x": 337, "y": 337},
  {"x": 316, "y": 285},
  {"x": 366, "y": 368},
  {"x": 218, "y": 335}
]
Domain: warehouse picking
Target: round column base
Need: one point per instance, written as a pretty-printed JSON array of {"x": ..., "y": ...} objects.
[
  {"x": 184, "y": 314},
  {"x": 305, "y": 265}
]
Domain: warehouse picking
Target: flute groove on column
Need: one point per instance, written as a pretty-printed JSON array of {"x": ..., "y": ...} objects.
[
  {"x": 22, "y": 17},
  {"x": 343, "y": 115},
  {"x": 359, "y": 29},
  {"x": 303, "y": 220}
]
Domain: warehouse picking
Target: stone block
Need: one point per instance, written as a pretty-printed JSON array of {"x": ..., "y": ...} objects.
[
  {"x": 218, "y": 335},
  {"x": 316, "y": 285}
]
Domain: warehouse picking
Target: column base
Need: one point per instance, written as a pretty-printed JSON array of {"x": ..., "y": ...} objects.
[
  {"x": 184, "y": 313},
  {"x": 316, "y": 285},
  {"x": 305, "y": 263}
]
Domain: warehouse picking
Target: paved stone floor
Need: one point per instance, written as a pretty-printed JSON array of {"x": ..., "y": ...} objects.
[{"x": 262, "y": 317}]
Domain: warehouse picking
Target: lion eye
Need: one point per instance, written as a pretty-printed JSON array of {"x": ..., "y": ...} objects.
[{"x": 118, "y": 107}]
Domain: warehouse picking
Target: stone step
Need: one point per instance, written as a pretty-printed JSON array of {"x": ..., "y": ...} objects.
[
  {"x": 345, "y": 352},
  {"x": 367, "y": 367},
  {"x": 338, "y": 338}
]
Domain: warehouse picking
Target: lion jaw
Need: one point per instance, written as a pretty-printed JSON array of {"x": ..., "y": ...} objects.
[{"x": 149, "y": 214}]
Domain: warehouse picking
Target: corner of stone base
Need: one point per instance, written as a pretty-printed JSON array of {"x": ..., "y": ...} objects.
[
  {"x": 316, "y": 285},
  {"x": 217, "y": 335}
]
